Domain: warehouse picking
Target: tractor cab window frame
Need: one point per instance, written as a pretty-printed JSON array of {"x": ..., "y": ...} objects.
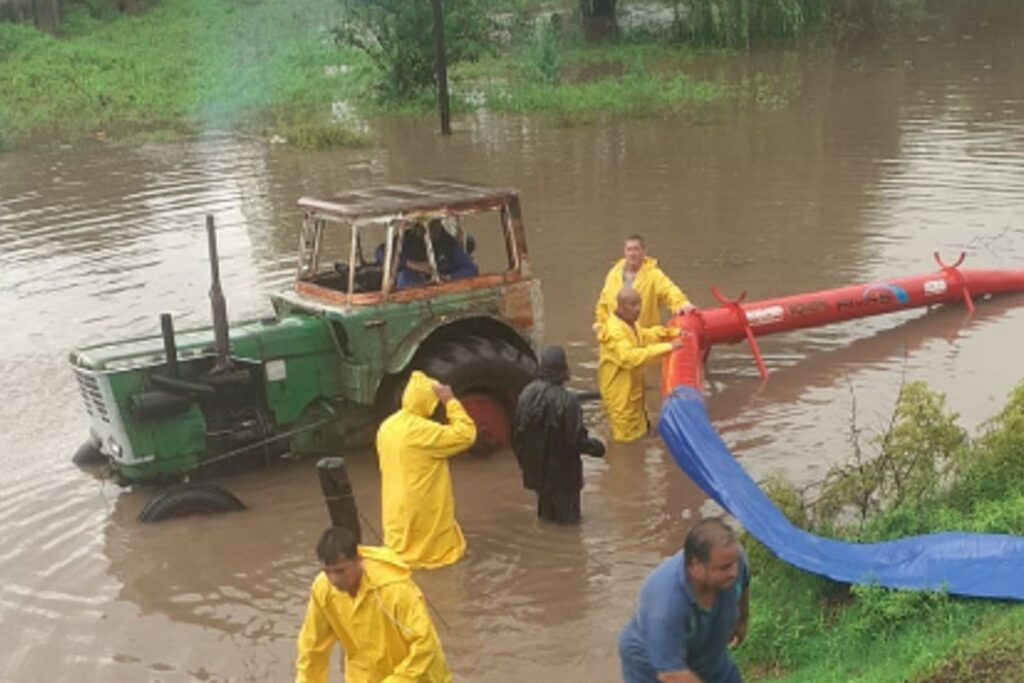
[{"x": 312, "y": 244}]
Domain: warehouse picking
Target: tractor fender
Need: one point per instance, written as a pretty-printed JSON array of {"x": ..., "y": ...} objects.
[{"x": 454, "y": 327}]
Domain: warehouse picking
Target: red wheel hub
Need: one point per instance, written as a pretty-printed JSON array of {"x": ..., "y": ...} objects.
[{"x": 493, "y": 423}]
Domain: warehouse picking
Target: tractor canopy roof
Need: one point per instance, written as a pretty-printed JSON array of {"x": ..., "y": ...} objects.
[{"x": 426, "y": 198}]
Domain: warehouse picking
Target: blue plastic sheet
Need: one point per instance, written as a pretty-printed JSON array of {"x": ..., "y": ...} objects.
[{"x": 976, "y": 565}]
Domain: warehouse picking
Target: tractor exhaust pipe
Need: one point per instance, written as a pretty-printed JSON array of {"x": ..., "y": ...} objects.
[
  {"x": 337, "y": 489},
  {"x": 217, "y": 303},
  {"x": 170, "y": 348}
]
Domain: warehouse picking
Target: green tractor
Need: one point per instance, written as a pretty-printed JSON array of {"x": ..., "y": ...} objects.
[{"x": 375, "y": 297}]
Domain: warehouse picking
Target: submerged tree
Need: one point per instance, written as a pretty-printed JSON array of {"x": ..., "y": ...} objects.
[{"x": 397, "y": 37}]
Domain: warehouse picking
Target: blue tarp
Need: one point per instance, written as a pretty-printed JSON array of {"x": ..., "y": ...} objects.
[{"x": 976, "y": 565}]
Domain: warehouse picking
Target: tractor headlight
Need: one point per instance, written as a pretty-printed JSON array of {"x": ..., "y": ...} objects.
[{"x": 115, "y": 448}]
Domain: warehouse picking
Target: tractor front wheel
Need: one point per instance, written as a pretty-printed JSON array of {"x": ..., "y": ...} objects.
[{"x": 189, "y": 499}]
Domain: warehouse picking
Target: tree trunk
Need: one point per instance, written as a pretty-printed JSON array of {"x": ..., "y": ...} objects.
[
  {"x": 598, "y": 19},
  {"x": 47, "y": 15},
  {"x": 604, "y": 9}
]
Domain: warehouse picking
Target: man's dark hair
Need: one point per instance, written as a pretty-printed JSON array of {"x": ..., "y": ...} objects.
[
  {"x": 707, "y": 534},
  {"x": 336, "y": 542},
  {"x": 636, "y": 237}
]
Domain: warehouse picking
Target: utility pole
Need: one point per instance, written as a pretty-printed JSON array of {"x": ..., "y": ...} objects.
[{"x": 441, "y": 67}]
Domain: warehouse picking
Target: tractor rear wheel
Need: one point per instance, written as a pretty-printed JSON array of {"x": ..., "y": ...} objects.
[
  {"x": 189, "y": 499},
  {"x": 486, "y": 375}
]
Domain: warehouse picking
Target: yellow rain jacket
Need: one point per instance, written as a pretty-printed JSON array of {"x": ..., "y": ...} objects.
[
  {"x": 417, "y": 508},
  {"x": 655, "y": 289},
  {"x": 385, "y": 630},
  {"x": 624, "y": 350}
]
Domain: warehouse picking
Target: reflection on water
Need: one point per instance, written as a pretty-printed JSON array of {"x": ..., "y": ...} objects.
[{"x": 890, "y": 152}]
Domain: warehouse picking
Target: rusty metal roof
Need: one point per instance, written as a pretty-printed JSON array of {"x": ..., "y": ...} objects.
[{"x": 422, "y": 196}]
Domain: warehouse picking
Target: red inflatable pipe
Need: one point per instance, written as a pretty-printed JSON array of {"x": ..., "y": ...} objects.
[
  {"x": 734, "y": 322},
  {"x": 685, "y": 366}
]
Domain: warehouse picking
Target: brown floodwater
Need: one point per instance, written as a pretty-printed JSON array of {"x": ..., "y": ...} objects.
[{"x": 886, "y": 153}]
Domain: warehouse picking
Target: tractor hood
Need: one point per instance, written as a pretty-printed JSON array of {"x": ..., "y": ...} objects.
[{"x": 254, "y": 340}]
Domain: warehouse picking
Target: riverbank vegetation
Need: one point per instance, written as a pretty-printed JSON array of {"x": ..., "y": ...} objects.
[
  {"x": 742, "y": 22},
  {"x": 313, "y": 71},
  {"x": 186, "y": 65},
  {"x": 921, "y": 474}
]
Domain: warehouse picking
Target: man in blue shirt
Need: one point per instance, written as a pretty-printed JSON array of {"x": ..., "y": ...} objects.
[{"x": 691, "y": 609}]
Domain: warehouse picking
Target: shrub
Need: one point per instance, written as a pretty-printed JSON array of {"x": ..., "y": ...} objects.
[
  {"x": 397, "y": 35},
  {"x": 917, "y": 453},
  {"x": 312, "y": 136},
  {"x": 19, "y": 37},
  {"x": 542, "y": 59}
]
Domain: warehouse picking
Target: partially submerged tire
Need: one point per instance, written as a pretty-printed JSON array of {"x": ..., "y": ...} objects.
[
  {"x": 487, "y": 376},
  {"x": 189, "y": 499},
  {"x": 88, "y": 455}
]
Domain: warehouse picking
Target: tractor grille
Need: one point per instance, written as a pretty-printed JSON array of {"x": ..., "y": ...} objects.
[{"x": 92, "y": 396}]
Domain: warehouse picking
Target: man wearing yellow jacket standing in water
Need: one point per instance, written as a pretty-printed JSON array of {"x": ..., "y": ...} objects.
[
  {"x": 417, "y": 507},
  {"x": 365, "y": 599},
  {"x": 641, "y": 272},
  {"x": 626, "y": 347}
]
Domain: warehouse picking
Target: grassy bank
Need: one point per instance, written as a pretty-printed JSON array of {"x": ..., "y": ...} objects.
[
  {"x": 185, "y": 65},
  {"x": 574, "y": 83},
  {"x": 925, "y": 475},
  {"x": 562, "y": 77},
  {"x": 276, "y": 66}
]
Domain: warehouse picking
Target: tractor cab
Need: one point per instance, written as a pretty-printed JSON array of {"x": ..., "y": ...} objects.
[{"x": 400, "y": 243}]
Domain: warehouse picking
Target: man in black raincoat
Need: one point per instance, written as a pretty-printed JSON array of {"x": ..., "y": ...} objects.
[{"x": 548, "y": 437}]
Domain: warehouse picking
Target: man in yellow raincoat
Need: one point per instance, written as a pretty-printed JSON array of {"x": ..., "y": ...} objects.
[
  {"x": 641, "y": 272},
  {"x": 417, "y": 508},
  {"x": 366, "y": 600},
  {"x": 625, "y": 348}
]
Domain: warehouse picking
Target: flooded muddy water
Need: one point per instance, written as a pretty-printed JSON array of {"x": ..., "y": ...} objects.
[{"x": 887, "y": 153}]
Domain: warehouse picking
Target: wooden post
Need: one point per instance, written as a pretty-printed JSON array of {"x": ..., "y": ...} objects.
[
  {"x": 337, "y": 490},
  {"x": 441, "y": 67}
]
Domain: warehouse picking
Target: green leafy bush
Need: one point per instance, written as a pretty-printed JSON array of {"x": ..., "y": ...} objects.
[
  {"x": 397, "y": 36},
  {"x": 15, "y": 38},
  {"x": 915, "y": 455},
  {"x": 542, "y": 58}
]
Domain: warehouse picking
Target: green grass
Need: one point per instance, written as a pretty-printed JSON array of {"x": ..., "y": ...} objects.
[
  {"x": 185, "y": 64},
  {"x": 272, "y": 65},
  {"x": 643, "y": 95},
  {"x": 619, "y": 79},
  {"x": 807, "y": 629},
  {"x": 993, "y": 654},
  {"x": 319, "y": 135}
]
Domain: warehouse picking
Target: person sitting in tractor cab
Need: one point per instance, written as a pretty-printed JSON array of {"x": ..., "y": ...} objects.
[{"x": 453, "y": 262}]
